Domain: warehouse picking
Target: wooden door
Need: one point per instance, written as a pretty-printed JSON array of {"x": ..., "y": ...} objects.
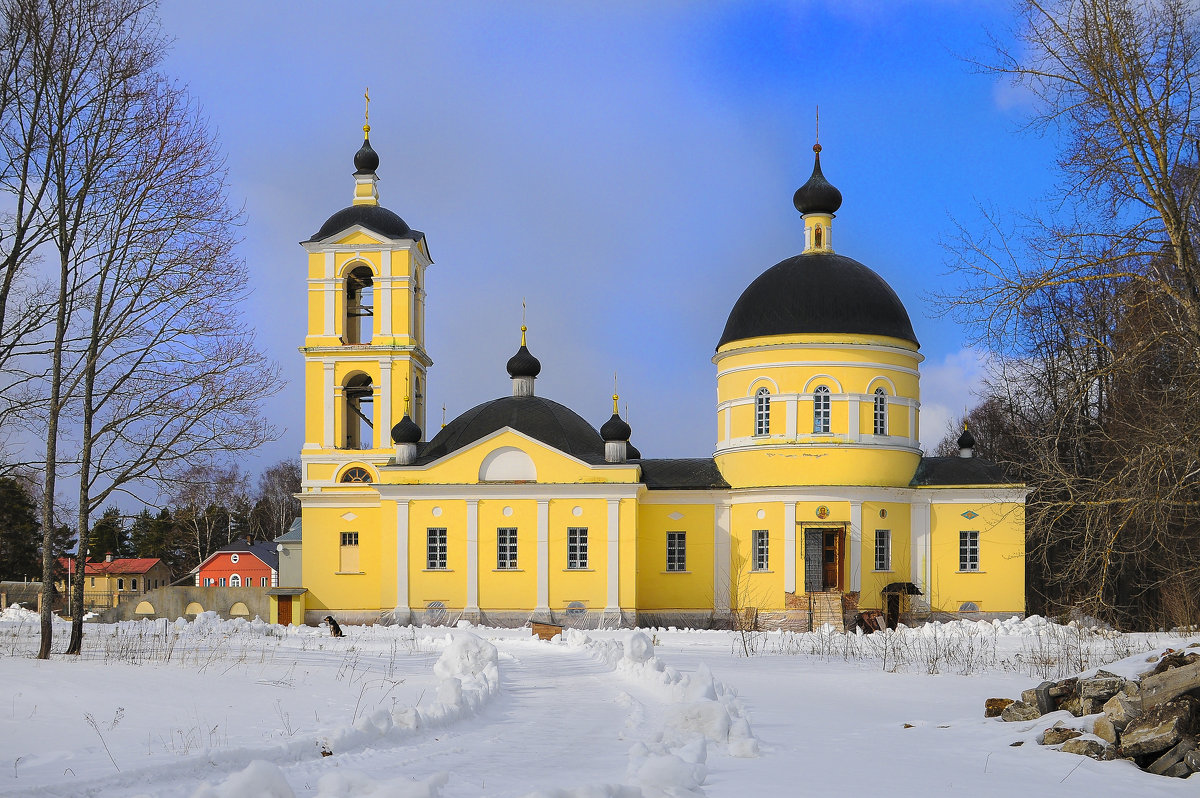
[
  {"x": 285, "y": 610},
  {"x": 832, "y": 559}
]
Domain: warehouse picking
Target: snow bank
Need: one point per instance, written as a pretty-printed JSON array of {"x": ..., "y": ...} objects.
[
  {"x": 700, "y": 711},
  {"x": 16, "y": 614},
  {"x": 260, "y": 779}
]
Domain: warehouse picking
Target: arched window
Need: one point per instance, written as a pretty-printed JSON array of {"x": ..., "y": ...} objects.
[
  {"x": 356, "y": 474},
  {"x": 880, "y": 412},
  {"x": 821, "y": 409},
  {"x": 235, "y": 581},
  {"x": 360, "y": 404},
  {"x": 817, "y": 237},
  {"x": 762, "y": 412},
  {"x": 360, "y": 305}
]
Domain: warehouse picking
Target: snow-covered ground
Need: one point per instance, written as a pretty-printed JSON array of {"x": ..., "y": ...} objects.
[{"x": 233, "y": 708}]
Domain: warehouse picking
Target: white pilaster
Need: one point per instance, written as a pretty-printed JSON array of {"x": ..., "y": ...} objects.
[
  {"x": 385, "y": 404},
  {"x": 789, "y": 547},
  {"x": 402, "y": 608},
  {"x": 472, "y": 556},
  {"x": 614, "y": 556},
  {"x": 330, "y": 392},
  {"x": 855, "y": 416},
  {"x": 855, "y": 545},
  {"x": 728, "y": 424},
  {"x": 920, "y": 546},
  {"x": 790, "y": 416},
  {"x": 543, "y": 557},
  {"x": 722, "y": 564},
  {"x": 378, "y": 439},
  {"x": 331, "y": 292},
  {"x": 912, "y": 423},
  {"x": 383, "y": 298}
]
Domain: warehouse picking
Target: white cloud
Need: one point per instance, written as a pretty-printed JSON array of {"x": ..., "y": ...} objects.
[{"x": 948, "y": 389}]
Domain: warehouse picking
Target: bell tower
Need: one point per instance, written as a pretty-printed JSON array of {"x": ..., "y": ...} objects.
[{"x": 364, "y": 351}]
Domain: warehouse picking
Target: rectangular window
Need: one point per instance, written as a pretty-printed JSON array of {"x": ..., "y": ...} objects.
[
  {"x": 676, "y": 551},
  {"x": 883, "y": 550},
  {"x": 968, "y": 551},
  {"x": 762, "y": 412},
  {"x": 821, "y": 411},
  {"x": 221, "y": 582},
  {"x": 577, "y": 547},
  {"x": 348, "y": 553},
  {"x": 761, "y": 545},
  {"x": 262, "y": 582},
  {"x": 506, "y": 548},
  {"x": 93, "y": 581},
  {"x": 880, "y": 412},
  {"x": 435, "y": 549}
]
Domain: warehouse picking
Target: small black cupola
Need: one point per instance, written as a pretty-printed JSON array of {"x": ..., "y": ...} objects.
[
  {"x": 818, "y": 195},
  {"x": 406, "y": 435},
  {"x": 523, "y": 367},
  {"x": 615, "y": 433},
  {"x": 366, "y": 160},
  {"x": 966, "y": 443}
]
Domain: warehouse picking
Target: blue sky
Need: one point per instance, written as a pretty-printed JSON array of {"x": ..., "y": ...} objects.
[{"x": 626, "y": 168}]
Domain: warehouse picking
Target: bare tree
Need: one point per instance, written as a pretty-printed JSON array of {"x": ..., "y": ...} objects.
[
  {"x": 1091, "y": 306},
  {"x": 277, "y": 489},
  {"x": 201, "y": 502}
]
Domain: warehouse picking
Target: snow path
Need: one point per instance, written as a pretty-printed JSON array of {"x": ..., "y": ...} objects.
[{"x": 557, "y": 722}]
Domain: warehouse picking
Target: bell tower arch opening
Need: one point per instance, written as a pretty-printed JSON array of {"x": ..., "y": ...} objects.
[
  {"x": 360, "y": 306},
  {"x": 359, "y": 416}
]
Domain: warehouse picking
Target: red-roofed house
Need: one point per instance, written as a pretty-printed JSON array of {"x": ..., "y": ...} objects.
[
  {"x": 115, "y": 579},
  {"x": 240, "y": 564}
]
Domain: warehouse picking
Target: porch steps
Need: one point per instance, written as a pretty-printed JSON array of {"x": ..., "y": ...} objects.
[{"x": 826, "y": 607}]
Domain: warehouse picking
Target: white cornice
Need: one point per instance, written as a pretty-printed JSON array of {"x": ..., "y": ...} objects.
[
  {"x": 835, "y": 442},
  {"x": 819, "y": 364},
  {"x": 541, "y": 444},
  {"x": 513, "y": 491}
]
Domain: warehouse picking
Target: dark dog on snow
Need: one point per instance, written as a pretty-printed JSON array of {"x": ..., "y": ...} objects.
[{"x": 334, "y": 629}]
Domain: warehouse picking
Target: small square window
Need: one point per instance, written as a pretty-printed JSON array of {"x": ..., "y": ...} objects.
[{"x": 676, "y": 551}]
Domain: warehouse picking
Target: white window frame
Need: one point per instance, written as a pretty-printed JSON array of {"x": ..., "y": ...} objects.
[
  {"x": 677, "y": 552},
  {"x": 968, "y": 551},
  {"x": 235, "y": 581},
  {"x": 234, "y": 558},
  {"x": 881, "y": 404},
  {"x": 506, "y": 548},
  {"x": 762, "y": 412},
  {"x": 577, "y": 548},
  {"x": 435, "y": 548},
  {"x": 761, "y": 550},
  {"x": 821, "y": 410},
  {"x": 133, "y": 583},
  {"x": 121, "y": 584},
  {"x": 221, "y": 581},
  {"x": 262, "y": 581},
  {"x": 883, "y": 550}
]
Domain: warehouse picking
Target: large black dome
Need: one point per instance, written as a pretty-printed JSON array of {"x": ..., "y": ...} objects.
[
  {"x": 818, "y": 292},
  {"x": 375, "y": 218},
  {"x": 541, "y": 419}
]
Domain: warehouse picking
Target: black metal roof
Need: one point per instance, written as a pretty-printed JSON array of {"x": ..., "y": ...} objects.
[
  {"x": 540, "y": 418},
  {"x": 262, "y": 549},
  {"x": 958, "y": 471},
  {"x": 818, "y": 292},
  {"x": 685, "y": 473},
  {"x": 375, "y": 218}
]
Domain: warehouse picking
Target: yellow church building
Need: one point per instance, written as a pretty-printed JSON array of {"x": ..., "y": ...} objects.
[{"x": 816, "y": 503}]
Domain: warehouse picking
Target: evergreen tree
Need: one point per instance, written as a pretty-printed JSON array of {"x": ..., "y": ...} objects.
[
  {"x": 109, "y": 536},
  {"x": 20, "y": 533}
]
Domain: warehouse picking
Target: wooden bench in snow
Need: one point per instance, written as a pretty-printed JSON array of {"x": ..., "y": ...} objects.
[
  {"x": 545, "y": 631},
  {"x": 1162, "y": 687}
]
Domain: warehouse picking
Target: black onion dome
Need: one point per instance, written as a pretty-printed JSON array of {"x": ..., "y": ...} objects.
[
  {"x": 818, "y": 195},
  {"x": 615, "y": 429},
  {"x": 375, "y": 218},
  {"x": 818, "y": 292},
  {"x": 406, "y": 431},
  {"x": 631, "y": 452},
  {"x": 524, "y": 364},
  {"x": 540, "y": 418},
  {"x": 966, "y": 440},
  {"x": 366, "y": 160}
]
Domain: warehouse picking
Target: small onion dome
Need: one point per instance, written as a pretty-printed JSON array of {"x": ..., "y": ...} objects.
[
  {"x": 631, "y": 452},
  {"x": 615, "y": 429},
  {"x": 366, "y": 160},
  {"x": 523, "y": 363},
  {"x": 966, "y": 440},
  {"x": 818, "y": 195},
  {"x": 406, "y": 431}
]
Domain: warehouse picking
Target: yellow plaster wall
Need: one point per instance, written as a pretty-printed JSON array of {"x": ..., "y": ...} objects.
[
  {"x": 508, "y": 590},
  {"x": 747, "y": 587},
  {"x": 329, "y": 590},
  {"x": 999, "y": 584},
  {"x": 660, "y": 589},
  {"x": 817, "y": 465},
  {"x": 424, "y": 585},
  {"x": 899, "y": 521},
  {"x": 588, "y": 585}
]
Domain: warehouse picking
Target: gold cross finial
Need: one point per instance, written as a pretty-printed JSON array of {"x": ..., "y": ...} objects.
[
  {"x": 615, "y": 395},
  {"x": 406, "y": 396},
  {"x": 817, "y": 132},
  {"x": 523, "y": 327},
  {"x": 443, "y": 416},
  {"x": 367, "y": 113}
]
